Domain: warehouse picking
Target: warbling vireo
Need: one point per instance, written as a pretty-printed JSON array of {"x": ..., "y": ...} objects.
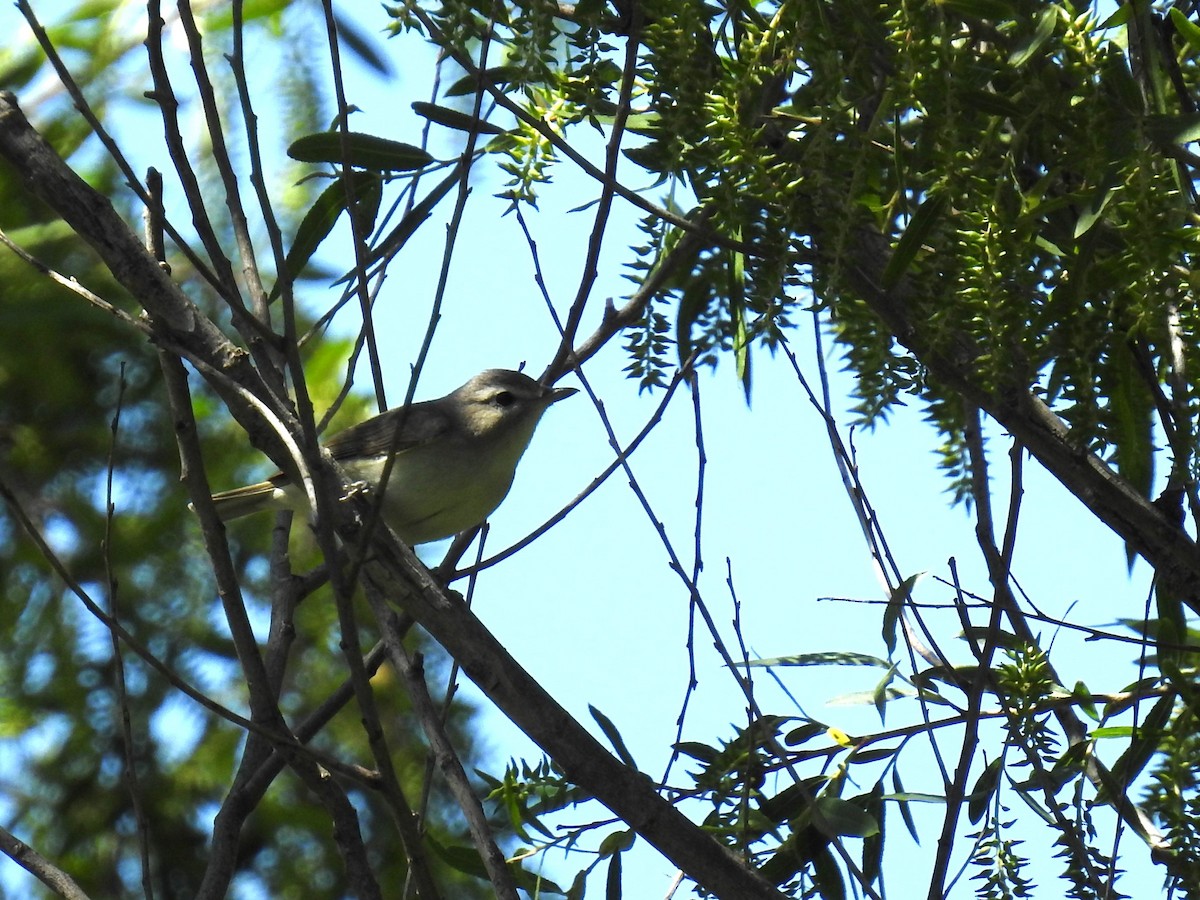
[{"x": 455, "y": 457}]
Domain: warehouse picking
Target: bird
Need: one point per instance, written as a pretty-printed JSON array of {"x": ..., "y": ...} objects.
[{"x": 455, "y": 457}]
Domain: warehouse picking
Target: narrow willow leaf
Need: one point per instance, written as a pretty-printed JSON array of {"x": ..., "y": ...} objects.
[
  {"x": 873, "y": 754},
  {"x": 1143, "y": 746},
  {"x": 1188, "y": 29},
  {"x": 318, "y": 222},
  {"x": 702, "y": 752},
  {"x": 1084, "y": 703},
  {"x": 1041, "y": 33},
  {"x": 367, "y": 151},
  {"x": 827, "y": 658},
  {"x": 881, "y": 692},
  {"x": 827, "y": 875},
  {"x": 903, "y": 798},
  {"x": 1094, "y": 211},
  {"x": 981, "y": 793},
  {"x": 614, "y": 736},
  {"x": 1132, "y": 408},
  {"x": 994, "y": 10},
  {"x": 616, "y": 842},
  {"x": 873, "y": 844},
  {"x": 1173, "y": 130},
  {"x": 803, "y": 734},
  {"x": 895, "y": 605},
  {"x": 453, "y": 118},
  {"x": 737, "y": 314},
  {"x": 841, "y": 817},
  {"x": 920, "y": 226},
  {"x": 612, "y": 885},
  {"x": 497, "y": 75}
]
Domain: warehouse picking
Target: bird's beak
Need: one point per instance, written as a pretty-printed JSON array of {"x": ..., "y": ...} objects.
[{"x": 561, "y": 393}]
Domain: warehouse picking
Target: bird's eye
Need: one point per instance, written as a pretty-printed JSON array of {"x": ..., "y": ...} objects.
[{"x": 505, "y": 399}]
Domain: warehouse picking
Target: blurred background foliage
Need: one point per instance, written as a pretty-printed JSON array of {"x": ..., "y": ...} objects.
[{"x": 67, "y": 370}]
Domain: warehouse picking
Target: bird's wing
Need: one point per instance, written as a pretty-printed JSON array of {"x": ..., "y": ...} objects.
[{"x": 419, "y": 424}]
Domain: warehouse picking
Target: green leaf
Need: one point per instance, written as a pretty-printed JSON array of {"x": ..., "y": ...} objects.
[
  {"x": 1172, "y": 625},
  {"x": 614, "y": 736},
  {"x": 1041, "y": 33},
  {"x": 466, "y": 859},
  {"x": 648, "y": 124},
  {"x": 702, "y": 752},
  {"x": 881, "y": 691},
  {"x": 1085, "y": 704},
  {"x": 827, "y": 875},
  {"x": 1132, "y": 408},
  {"x": 873, "y": 844},
  {"x": 318, "y": 222},
  {"x": 362, "y": 45},
  {"x": 497, "y": 75},
  {"x": 616, "y": 842},
  {"x": 737, "y": 313},
  {"x": 692, "y": 305},
  {"x": 841, "y": 817},
  {"x": 652, "y": 156},
  {"x": 612, "y": 883},
  {"x": 980, "y": 635},
  {"x": 827, "y": 658},
  {"x": 981, "y": 794},
  {"x": 1120, "y": 17},
  {"x": 1186, "y": 28},
  {"x": 895, "y": 605},
  {"x": 578, "y": 886},
  {"x": 862, "y": 698},
  {"x": 872, "y": 754},
  {"x": 1030, "y": 791},
  {"x": 397, "y": 237},
  {"x": 920, "y": 226},
  {"x": 903, "y": 798},
  {"x": 461, "y": 858},
  {"x": 367, "y": 151},
  {"x": 1141, "y": 750},
  {"x": 1168, "y": 130},
  {"x": 1112, "y": 731},
  {"x": 453, "y": 118},
  {"x": 1095, "y": 210},
  {"x": 804, "y": 733},
  {"x": 993, "y": 10}
]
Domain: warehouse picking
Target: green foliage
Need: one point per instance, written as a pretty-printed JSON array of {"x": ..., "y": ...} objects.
[
  {"x": 999, "y": 866},
  {"x": 1173, "y": 797},
  {"x": 1008, "y": 151},
  {"x": 67, "y": 371},
  {"x": 1024, "y": 683}
]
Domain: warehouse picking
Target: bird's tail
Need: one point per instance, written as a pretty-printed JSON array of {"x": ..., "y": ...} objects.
[{"x": 250, "y": 499}]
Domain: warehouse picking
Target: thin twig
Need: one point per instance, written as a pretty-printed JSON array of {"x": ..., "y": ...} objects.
[
  {"x": 126, "y": 725},
  {"x": 219, "y": 152},
  {"x": 411, "y": 668},
  {"x": 75, "y": 287},
  {"x": 697, "y": 565},
  {"x": 693, "y": 226},
  {"x": 358, "y": 239},
  {"x": 612, "y": 159},
  {"x": 164, "y": 95}
]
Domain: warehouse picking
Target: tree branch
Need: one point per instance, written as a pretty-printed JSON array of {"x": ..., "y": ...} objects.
[{"x": 1167, "y": 548}]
